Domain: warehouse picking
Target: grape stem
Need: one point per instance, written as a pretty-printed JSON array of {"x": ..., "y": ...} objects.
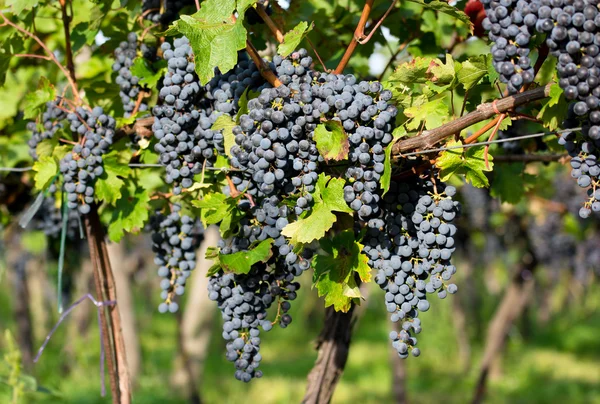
[
  {"x": 358, "y": 34},
  {"x": 260, "y": 9},
  {"x": 51, "y": 56},
  {"x": 263, "y": 68},
  {"x": 367, "y": 38},
  {"x": 68, "y": 50}
]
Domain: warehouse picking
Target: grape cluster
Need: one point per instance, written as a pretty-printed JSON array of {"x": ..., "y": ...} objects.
[
  {"x": 511, "y": 24},
  {"x": 276, "y": 166},
  {"x": 575, "y": 41},
  {"x": 175, "y": 238},
  {"x": 83, "y": 164},
  {"x": 243, "y": 301},
  {"x": 51, "y": 123},
  {"x": 48, "y": 219},
  {"x": 183, "y": 132},
  {"x": 411, "y": 245},
  {"x": 129, "y": 85},
  {"x": 163, "y": 11}
]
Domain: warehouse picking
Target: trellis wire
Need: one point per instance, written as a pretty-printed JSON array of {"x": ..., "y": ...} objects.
[
  {"x": 99, "y": 306},
  {"x": 464, "y": 146}
]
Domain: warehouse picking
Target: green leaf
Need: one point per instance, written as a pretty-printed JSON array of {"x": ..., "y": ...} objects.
[
  {"x": 108, "y": 185},
  {"x": 46, "y": 147},
  {"x": 446, "y": 8},
  {"x": 242, "y": 105},
  {"x": 508, "y": 183},
  {"x": 19, "y": 5},
  {"x": 443, "y": 73},
  {"x": 214, "y": 208},
  {"x": 328, "y": 197},
  {"x": 226, "y": 124},
  {"x": 215, "y": 36},
  {"x": 386, "y": 177},
  {"x": 473, "y": 70},
  {"x": 243, "y": 5},
  {"x": 433, "y": 113},
  {"x": 146, "y": 73},
  {"x": 335, "y": 269},
  {"x": 35, "y": 102},
  {"x": 468, "y": 162},
  {"x": 415, "y": 71},
  {"x": 332, "y": 141},
  {"x": 555, "y": 109},
  {"x": 130, "y": 214},
  {"x": 45, "y": 169},
  {"x": 292, "y": 38},
  {"x": 241, "y": 262}
]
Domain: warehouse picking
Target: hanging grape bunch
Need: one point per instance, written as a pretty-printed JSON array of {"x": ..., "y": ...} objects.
[{"x": 571, "y": 32}]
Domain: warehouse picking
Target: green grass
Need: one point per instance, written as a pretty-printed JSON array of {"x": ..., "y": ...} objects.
[{"x": 558, "y": 362}]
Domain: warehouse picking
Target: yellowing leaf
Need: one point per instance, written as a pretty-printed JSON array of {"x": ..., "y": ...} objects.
[{"x": 332, "y": 141}]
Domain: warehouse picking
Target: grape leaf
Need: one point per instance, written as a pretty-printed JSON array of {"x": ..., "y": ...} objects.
[
  {"x": 20, "y": 5},
  {"x": 443, "y": 73},
  {"x": 292, "y": 38},
  {"x": 215, "y": 36},
  {"x": 46, "y": 147},
  {"x": 241, "y": 262},
  {"x": 108, "y": 185},
  {"x": 386, "y": 177},
  {"x": 226, "y": 123},
  {"x": 473, "y": 70},
  {"x": 45, "y": 170},
  {"x": 146, "y": 73},
  {"x": 130, "y": 214},
  {"x": 412, "y": 72},
  {"x": 335, "y": 269},
  {"x": 332, "y": 141},
  {"x": 36, "y": 101},
  {"x": 508, "y": 184},
  {"x": 468, "y": 162},
  {"x": 433, "y": 113},
  {"x": 555, "y": 109},
  {"x": 219, "y": 208},
  {"x": 328, "y": 197},
  {"x": 446, "y": 8},
  {"x": 243, "y": 5}
]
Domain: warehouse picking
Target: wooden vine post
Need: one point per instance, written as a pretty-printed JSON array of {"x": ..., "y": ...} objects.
[{"x": 110, "y": 320}]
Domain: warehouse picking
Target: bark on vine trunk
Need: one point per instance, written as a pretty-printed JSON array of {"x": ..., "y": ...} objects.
[
  {"x": 512, "y": 306},
  {"x": 124, "y": 266},
  {"x": 333, "y": 345},
  {"x": 110, "y": 319}
]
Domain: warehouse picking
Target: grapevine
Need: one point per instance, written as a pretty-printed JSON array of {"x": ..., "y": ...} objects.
[{"x": 188, "y": 114}]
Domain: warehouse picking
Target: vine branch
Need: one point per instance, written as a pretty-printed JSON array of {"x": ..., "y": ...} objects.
[
  {"x": 72, "y": 84},
  {"x": 485, "y": 111},
  {"x": 265, "y": 71},
  {"x": 68, "y": 50},
  {"x": 358, "y": 34},
  {"x": 260, "y": 9}
]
